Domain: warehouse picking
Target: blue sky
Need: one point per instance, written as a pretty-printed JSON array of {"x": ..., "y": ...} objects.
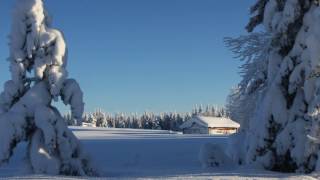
[{"x": 136, "y": 55}]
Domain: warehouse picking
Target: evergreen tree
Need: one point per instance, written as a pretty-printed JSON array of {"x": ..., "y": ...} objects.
[
  {"x": 100, "y": 119},
  {"x": 69, "y": 120},
  {"x": 288, "y": 103},
  {"x": 26, "y": 110}
]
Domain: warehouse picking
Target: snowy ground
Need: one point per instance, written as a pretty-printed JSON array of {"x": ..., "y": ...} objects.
[{"x": 145, "y": 154}]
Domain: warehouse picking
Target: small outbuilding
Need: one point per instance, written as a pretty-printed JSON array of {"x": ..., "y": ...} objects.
[{"x": 209, "y": 125}]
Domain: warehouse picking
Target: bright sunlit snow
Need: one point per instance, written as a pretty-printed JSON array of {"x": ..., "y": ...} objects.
[{"x": 129, "y": 153}]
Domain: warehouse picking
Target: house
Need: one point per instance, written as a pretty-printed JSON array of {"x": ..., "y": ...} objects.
[{"x": 209, "y": 125}]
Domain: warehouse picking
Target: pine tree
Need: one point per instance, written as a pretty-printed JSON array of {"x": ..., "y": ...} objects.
[
  {"x": 92, "y": 119},
  {"x": 100, "y": 119},
  {"x": 26, "y": 112},
  {"x": 287, "y": 106},
  {"x": 69, "y": 120}
]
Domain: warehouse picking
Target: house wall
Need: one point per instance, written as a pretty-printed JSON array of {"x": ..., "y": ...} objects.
[{"x": 222, "y": 130}]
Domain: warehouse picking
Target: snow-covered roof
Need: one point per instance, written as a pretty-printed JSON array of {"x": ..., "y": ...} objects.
[{"x": 210, "y": 122}]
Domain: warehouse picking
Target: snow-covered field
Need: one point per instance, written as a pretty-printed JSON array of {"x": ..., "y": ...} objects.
[{"x": 145, "y": 154}]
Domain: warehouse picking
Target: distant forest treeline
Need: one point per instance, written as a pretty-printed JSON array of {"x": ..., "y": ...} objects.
[{"x": 147, "y": 120}]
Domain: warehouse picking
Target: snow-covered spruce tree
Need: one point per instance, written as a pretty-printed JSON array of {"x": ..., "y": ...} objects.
[
  {"x": 26, "y": 113},
  {"x": 288, "y": 110},
  {"x": 252, "y": 50}
]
